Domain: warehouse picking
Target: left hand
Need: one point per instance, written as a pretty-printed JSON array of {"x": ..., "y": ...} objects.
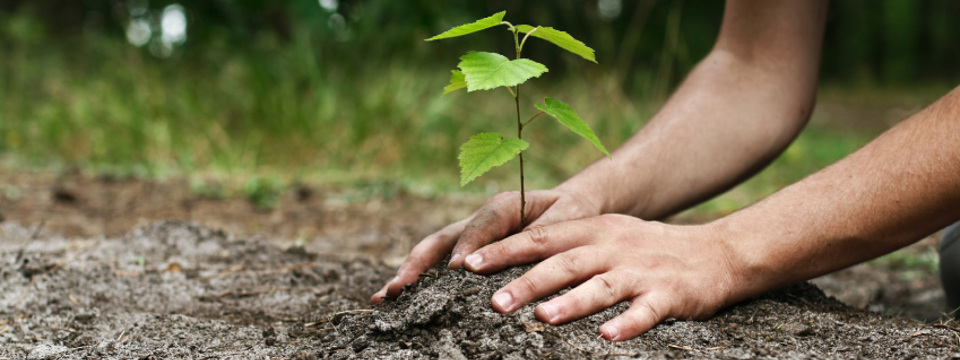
[{"x": 665, "y": 271}]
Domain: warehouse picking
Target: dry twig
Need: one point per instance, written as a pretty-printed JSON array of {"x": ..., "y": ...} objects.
[
  {"x": 681, "y": 347},
  {"x": 23, "y": 295}
]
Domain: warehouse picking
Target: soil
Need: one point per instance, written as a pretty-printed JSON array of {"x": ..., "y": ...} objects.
[{"x": 83, "y": 278}]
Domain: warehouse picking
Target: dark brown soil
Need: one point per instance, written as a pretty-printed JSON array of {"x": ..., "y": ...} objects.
[{"x": 183, "y": 290}]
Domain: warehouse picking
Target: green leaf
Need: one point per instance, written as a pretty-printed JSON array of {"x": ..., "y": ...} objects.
[
  {"x": 566, "y": 116},
  {"x": 484, "y": 70},
  {"x": 457, "y": 82},
  {"x": 561, "y": 39},
  {"x": 485, "y": 151},
  {"x": 482, "y": 24}
]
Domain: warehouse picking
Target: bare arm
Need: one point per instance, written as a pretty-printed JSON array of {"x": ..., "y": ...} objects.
[
  {"x": 738, "y": 109},
  {"x": 899, "y": 188}
]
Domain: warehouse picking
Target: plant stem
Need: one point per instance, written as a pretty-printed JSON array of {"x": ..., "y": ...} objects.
[
  {"x": 524, "y": 41},
  {"x": 523, "y": 196},
  {"x": 516, "y": 98},
  {"x": 531, "y": 119}
]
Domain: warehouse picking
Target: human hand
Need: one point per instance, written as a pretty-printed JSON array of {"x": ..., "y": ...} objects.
[
  {"x": 665, "y": 271},
  {"x": 498, "y": 218}
]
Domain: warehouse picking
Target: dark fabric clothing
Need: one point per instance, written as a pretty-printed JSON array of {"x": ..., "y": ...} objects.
[{"x": 950, "y": 266}]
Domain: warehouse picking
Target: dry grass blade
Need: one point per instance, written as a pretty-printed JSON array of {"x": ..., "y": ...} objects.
[
  {"x": 233, "y": 294},
  {"x": 23, "y": 295},
  {"x": 681, "y": 347}
]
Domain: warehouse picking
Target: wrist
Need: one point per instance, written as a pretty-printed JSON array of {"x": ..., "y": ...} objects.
[{"x": 747, "y": 273}]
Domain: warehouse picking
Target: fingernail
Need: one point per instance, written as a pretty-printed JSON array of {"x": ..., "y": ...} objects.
[
  {"x": 611, "y": 331},
  {"x": 503, "y": 299},
  {"x": 474, "y": 260},
  {"x": 550, "y": 311},
  {"x": 395, "y": 279},
  {"x": 454, "y": 259}
]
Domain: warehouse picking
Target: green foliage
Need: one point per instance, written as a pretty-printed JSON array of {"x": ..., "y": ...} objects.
[
  {"x": 263, "y": 193},
  {"x": 485, "y": 151},
  {"x": 485, "y": 71},
  {"x": 207, "y": 189},
  {"x": 457, "y": 82},
  {"x": 927, "y": 261},
  {"x": 561, "y": 39},
  {"x": 482, "y": 24},
  {"x": 566, "y": 116}
]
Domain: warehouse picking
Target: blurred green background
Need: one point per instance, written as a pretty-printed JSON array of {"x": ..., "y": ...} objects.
[{"x": 347, "y": 92}]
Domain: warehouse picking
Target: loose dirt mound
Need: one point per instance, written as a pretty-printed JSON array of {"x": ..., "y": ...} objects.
[
  {"x": 449, "y": 316},
  {"x": 179, "y": 290}
]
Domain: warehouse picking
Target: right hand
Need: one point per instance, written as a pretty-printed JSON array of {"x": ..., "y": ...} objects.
[{"x": 497, "y": 219}]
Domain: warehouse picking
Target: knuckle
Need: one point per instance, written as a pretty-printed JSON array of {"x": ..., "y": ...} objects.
[
  {"x": 417, "y": 255},
  {"x": 476, "y": 231},
  {"x": 610, "y": 220},
  {"x": 567, "y": 263},
  {"x": 452, "y": 230},
  {"x": 438, "y": 238},
  {"x": 496, "y": 250},
  {"x": 527, "y": 285},
  {"x": 500, "y": 198},
  {"x": 492, "y": 217},
  {"x": 607, "y": 286},
  {"x": 537, "y": 236},
  {"x": 648, "y": 311}
]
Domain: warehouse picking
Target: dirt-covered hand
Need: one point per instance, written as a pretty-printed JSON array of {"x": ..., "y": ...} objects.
[
  {"x": 665, "y": 271},
  {"x": 498, "y": 218}
]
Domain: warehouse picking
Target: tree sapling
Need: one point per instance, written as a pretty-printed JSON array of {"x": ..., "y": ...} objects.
[{"x": 485, "y": 71}]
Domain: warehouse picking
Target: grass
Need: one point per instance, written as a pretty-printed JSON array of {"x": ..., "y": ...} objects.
[
  {"x": 280, "y": 115},
  {"x": 271, "y": 111}
]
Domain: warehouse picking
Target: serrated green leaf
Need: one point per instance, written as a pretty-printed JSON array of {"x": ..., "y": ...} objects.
[
  {"x": 482, "y": 24},
  {"x": 566, "y": 116},
  {"x": 485, "y": 151},
  {"x": 457, "y": 82},
  {"x": 561, "y": 39},
  {"x": 484, "y": 70}
]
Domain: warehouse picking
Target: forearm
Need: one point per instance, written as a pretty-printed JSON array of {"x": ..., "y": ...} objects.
[
  {"x": 899, "y": 188},
  {"x": 727, "y": 121},
  {"x": 738, "y": 109}
]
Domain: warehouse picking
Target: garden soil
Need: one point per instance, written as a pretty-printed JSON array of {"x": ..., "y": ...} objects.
[
  {"x": 175, "y": 289},
  {"x": 178, "y": 289}
]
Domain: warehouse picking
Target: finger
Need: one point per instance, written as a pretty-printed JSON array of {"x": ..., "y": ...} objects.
[
  {"x": 646, "y": 312},
  {"x": 568, "y": 210},
  {"x": 529, "y": 246},
  {"x": 548, "y": 277},
  {"x": 425, "y": 255},
  {"x": 598, "y": 293},
  {"x": 495, "y": 220},
  {"x": 379, "y": 295}
]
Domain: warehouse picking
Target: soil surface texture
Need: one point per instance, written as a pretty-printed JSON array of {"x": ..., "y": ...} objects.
[
  {"x": 375, "y": 221},
  {"x": 181, "y": 290}
]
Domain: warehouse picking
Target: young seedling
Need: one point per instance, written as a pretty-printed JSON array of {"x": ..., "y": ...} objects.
[{"x": 485, "y": 71}]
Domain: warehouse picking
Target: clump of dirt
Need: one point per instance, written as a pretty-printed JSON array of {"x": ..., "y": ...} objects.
[
  {"x": 180, "y": 290},
  {"x": 448, "y": 315}
]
